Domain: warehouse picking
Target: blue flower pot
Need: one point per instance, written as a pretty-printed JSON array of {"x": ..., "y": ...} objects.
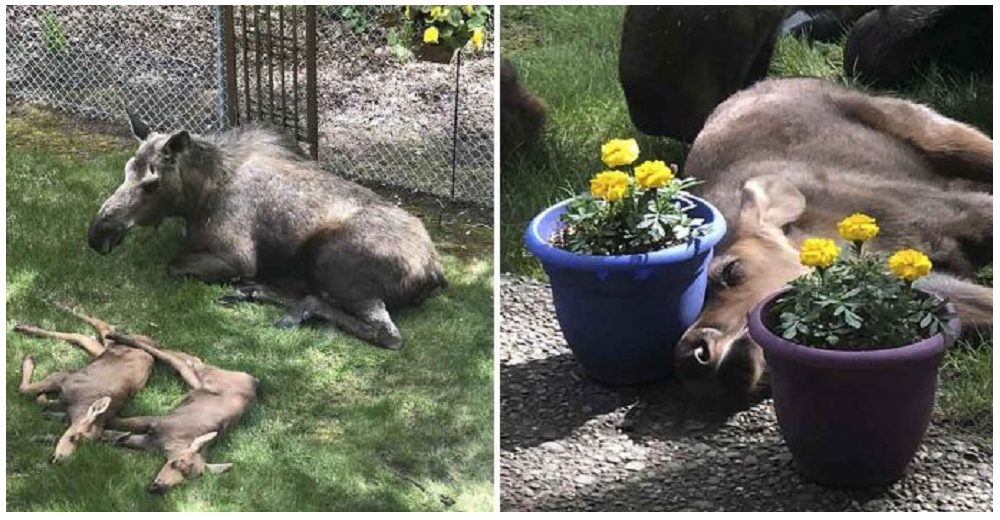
[{"x": 623, "y": 315}]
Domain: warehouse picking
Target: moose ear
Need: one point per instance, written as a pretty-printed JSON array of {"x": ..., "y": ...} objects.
[
  {"x": 201, "y": 441},
  {"x": 770, "y": 200},
  {"x": 219, "y": 468},
  {"x": 177, "y": 143},
  {"x": 139, "y": 129},
  {"x": 98, "y": 407}
]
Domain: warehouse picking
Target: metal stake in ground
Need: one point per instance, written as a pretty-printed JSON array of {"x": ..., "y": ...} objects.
[{"x": 454, "y": 129}]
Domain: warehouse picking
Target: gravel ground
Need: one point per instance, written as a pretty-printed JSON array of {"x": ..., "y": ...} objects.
[{"x": 568, "y": 443}]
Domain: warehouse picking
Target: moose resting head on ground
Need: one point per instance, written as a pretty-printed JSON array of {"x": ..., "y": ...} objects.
[
  {"x": 256, "y": 210},
  {"x": 91, "y": 395},
  {"x": 786, "y": 159},
  {"x": 216, "y": 402}
]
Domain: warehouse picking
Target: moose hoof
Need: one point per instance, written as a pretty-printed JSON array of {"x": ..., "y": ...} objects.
[{"x": 288, "y": 322}]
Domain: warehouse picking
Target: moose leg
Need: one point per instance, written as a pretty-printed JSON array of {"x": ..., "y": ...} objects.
[
  {"x": 974, "y": 303},
  {"x": 258, "y": 293},
  {"x": 368, "y": 321},
  {"x": 134, "y": 424},
  {"x": 207, "y": 267},
  {"x": 101, "y": 327},
  {"x": 126, "y": 439},
  {"x": 91, "y": 345},
  {"x": 185, "y": 365},
  {"x": 49, "y": 384},
  {"x": 956, "y": 149}
]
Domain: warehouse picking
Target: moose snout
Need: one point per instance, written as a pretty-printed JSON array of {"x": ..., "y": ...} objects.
[
  {"x": 694, "y": 351},
  {"x": 695, "y": 363},
  {"x": 105, "y": 234}
]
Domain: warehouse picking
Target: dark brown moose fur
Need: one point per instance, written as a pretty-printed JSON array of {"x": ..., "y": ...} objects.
[
  {"x": 522, "y": 113},
  {"x": 216, "y": 402},
  {"x": 786, "y": 159},
  {"x": 95, "y": 392},
  {"x": 256, "y": 209}
]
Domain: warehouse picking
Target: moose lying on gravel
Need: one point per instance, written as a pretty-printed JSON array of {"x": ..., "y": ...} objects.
[
  {"x": 786, "y": 159},
  {"x": 216, "y": 402},
  {"x": 257, "y": 210},
  {"x": 91, "y": 395}
]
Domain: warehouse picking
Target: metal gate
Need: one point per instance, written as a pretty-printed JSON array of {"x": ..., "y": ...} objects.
[{"x": 270, "y": 68}]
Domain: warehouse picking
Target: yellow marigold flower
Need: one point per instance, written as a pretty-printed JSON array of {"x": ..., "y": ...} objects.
[
  {"x": 467, "y": 9},
  {"x": 818, "y": 252},
  {"x": 431, "y": 35},
  {"x": 857, "y": 227},
  {"x": 477, "y": 38},
  {"x": 619, "y": 152},
  {"x": 910, "y": 264},
  {"x": 609, "y": 185},
  {"x": 653, "y": 174},
  {"x": 439, "y": 12}
]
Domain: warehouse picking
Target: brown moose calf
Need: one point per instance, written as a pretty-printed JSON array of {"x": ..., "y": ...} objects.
[
  {"x": 217, "y": 400},
  {"x": 97, "y": 391}
]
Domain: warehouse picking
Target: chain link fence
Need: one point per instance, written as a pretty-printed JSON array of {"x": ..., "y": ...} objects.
[{"x": 383, "y": 119}]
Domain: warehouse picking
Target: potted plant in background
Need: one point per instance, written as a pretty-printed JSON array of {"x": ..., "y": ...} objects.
[
  {"x": 437, "y": 31},
  {"x": 627, "y": 264},
  {"x": 853, "y": 350}
]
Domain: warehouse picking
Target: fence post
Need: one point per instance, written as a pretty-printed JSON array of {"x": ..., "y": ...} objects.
[
  {"x": 227, "y": 41},
  {"x": 312, "y": 121}
]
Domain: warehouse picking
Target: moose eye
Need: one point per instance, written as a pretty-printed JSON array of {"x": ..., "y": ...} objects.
[{"x": 732, "y": 273}]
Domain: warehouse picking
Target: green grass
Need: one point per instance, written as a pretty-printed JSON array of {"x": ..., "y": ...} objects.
[
  {"x": 339, "y": 425},
  {"x": 569, "y": 57}
]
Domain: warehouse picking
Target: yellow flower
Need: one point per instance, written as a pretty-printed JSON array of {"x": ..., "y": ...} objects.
[
  {"x": 439, "y": 12},
  {"x": 477, "y": 38},
  {"x": 857, "y": 227},
  {"x": 653, "y": 174},
  {"x": 467, "y": 9},
  {"x": 609, "y": 185},
  {"x": 431, "y": 35},
  {"x": 910, "y": 264},
  {"x": 619, "y": 152},
  {"x": 818, "y": 252}
]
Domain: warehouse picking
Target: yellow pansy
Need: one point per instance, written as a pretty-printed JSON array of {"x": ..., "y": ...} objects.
[
  {"x": 477, "y": 38},
  {"x": 609, "y": 185},
  {"x": 818, "y": 252},
  {"x": 857, "y": 227},
  {"x": 431, "y": 35},
  {"x": 653, "y": 174},
  {"x": 619, "y": 152},
  {"x": 467, "y": 9},
  {"x": 910, "y": 264}
]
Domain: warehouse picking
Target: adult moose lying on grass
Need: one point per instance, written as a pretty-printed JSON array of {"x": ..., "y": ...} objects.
[{"x": 256, "y": 209}]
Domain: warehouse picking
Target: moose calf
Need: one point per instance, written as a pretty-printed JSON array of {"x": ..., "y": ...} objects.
[
  {"x": 217, "y": 400},
  {"x": 97, "y": 391}
]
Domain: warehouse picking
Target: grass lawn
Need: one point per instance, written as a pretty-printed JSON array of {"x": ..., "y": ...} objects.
[
  {"x": 339, "y": 425},
  {"x": 569, "y": 57}
]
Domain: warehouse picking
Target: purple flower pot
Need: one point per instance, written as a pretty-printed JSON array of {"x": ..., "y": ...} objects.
[
  {"x": 622, "y": 315},
  {"x": 850, "y": 418}
]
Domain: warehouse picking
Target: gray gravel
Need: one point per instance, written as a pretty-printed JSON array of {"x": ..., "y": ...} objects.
[{"x": 569, "y": 443}]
